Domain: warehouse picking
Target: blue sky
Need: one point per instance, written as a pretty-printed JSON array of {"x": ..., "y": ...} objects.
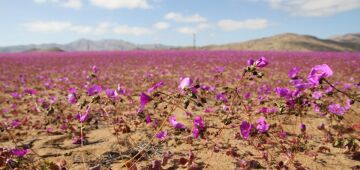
[{"x": 172, "y": 22}]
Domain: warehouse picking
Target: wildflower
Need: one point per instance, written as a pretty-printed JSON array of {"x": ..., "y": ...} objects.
[
  {"x": 15, "y": 95},
  {"x": 72, "y": 99},
  {"x": 161, "y": 135},
  {"x": 154, "y": 87},
  {"x": 317, "y": 95},
  {"x": 302, "y": 127},
  {"x": 110, "y": 93},
  {"x": 293, "y": 73},
  {"x": 222, "y": 97},
  {"x": 245, "y": 129},
  {"x": 19, "y": 152},
  {"x": 185, "y": 83},
  {"x": 144, "y": 99},
  {"x": 262, "y": 125},
  {"x": 282, "y": 91},
  {"x": 336, "y": 109},
  {"x": 148, "y": 119},
  {"x": 83, "y": 117},
  {"x": 95, "y": 69},
  {"x": 198, "y": 126},
  {"x": 250, "y": 62},
  {"x": 30, "y": 91},
  {"x": 95, "y": 89},
  {"x": 319, "y": 72},
  {"x": 176, "y": 124},
  {"x": 262, "y": 62}
]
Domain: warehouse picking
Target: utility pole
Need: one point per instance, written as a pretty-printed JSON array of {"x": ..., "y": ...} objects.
[{"x": 194, "y": 41}]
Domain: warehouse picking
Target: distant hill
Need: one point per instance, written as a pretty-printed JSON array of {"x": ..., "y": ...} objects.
[
  {"x": 52, "y": 49},
  {"x": 86, "y": 45},
  {"x": 281, "y": 42},
  {"x": 290, "y": 42}
]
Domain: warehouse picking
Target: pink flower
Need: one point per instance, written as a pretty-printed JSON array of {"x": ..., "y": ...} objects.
[
  {"x": 262, "y": 62},
  {"x": 250, "y": 62},
  {"x": 185, "y": 83},
  {"x": 161, "y": 135},
  {"x": 154, "y": 87},
  {"x": 112, "y": 94},
  {"x": 245, "y": 129},
  {"x": 319, "y": 72},
  {"x": 72, "y": 99},
  {"x": 144, "y": 99},
  {"x": 19, "y": 152},
  {"x": 198, "y": 126},
  {"x": 293, "y": 73},
  {"x": 176, "y": 124},
  {"x": 336, "y": 109},
  {"x": 262, "y": 125},
  {"x": 95, "y": 89},
  {"x": 317, "y": 95}
]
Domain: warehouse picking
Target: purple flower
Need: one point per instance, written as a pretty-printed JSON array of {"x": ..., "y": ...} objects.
[
  {"x": 348, "y": 104},
  {"x": 15, "y": 123},
  {"x": 222, "y": 97},
  {"x": 110, "y": 93},
  {"x": 329, "y": 90},
  {"x": 198, "y": 126},
  {"x": 161, "y": 135},
  {"x": 120, "y": 90},
  {"x": 185, "y": 83},
  {"x": 19, "y": 152},
  {"x": 282, "y": 91},
  {"x": 83, "y": 117},
  {"x": 336, "y": 109},
  {"x": 72, "y": 99},
  {"x": 154, "y": 87},
  {"x": 250, "y": 62},
  {"x": 319, "y": 72},
  {"x": 30, "y": 91},
  {"x": 95, "y": 69},
  {"x": 317, "y": 95},
  {"x": 52, "y": 99},
  {"x": 95, "y": 89},
  {"x": 302, "y": 127},
  {"x": 198, "y": 122},
  {"x": 262, "y": 125},
  {"x": 245, "y": 129},
  {"x": 144, "y": 99},
  {"x": 176, "y": 124},
  {"x": 72, "y": 90},
  {"x": 262, "y": 62},
  {"x": 15, "y": 95},
  {"x": 148, "y": 119},
  {"x": 293, "y": 73}
]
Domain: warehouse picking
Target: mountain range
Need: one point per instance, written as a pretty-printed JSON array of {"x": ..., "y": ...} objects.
[{"x": 280, "y": 42}]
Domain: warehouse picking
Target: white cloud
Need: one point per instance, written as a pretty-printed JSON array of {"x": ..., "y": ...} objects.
[
  {"x": 81, "y": 29},
  {"x": 161, "y": 25},
  {"x": 137, "y": 31},
  {"x": 314, "y": 7},
  {"x": 178, "y": 17},
  {"x": 102, "y": 27},
  {"x": 251, "y": 24},
  {"x": 193, "y": 30},
  {"x": 74, "y": 4},
  {"x": 187, "y": 30},
  {"x": 117, "y": 4},
  {"x": 48, "y": 26}
]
